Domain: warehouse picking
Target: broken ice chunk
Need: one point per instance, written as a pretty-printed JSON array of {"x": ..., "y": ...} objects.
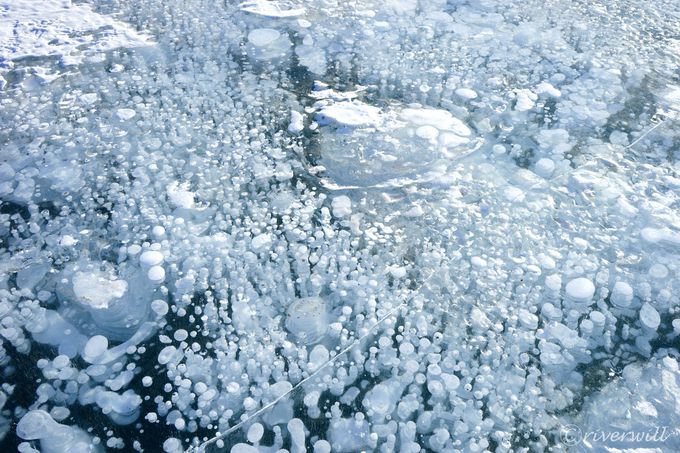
[
  {"x": 440, "y": 119},
  {"x": 479, "y": 320},
  {"x": 349, "y": 113},
  {"x": 261, "y": 242},
  {"x": 67, "y": 241},
  {"x": 548, "y": 89},
  {"x": 272, "y": 8},
  {"x": 180, "y": 196},
  {"x": 528, "y": 320},
  {"x": 525, "y": 100},
  {"x": 313, "y": 57},
  {"x": 96, "y": 290},
  {"x": 31, "y": 275},
  {"x": 296, "y": 122},
  {"x": 117, "y": 306},
  {"x": 427, "y": 132}
]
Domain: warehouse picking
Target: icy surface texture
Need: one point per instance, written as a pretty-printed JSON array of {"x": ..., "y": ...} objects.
[
  {"x": 60, "y": 30},
  {"x": 404, "y": 225},
  {"x": 642, "y": 400},
  {"x": 364, "y": 146}
]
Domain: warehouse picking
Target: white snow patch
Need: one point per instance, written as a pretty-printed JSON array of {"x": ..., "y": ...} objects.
[{"x": 61, "y": 28}]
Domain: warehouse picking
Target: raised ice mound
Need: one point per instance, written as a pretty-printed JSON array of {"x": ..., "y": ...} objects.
[
  {"x": 116, "y": 305},
  {"x": 360, "y": 145},
  {"x": 96, "y": 290},
  {"x": 54, "y": 437}
]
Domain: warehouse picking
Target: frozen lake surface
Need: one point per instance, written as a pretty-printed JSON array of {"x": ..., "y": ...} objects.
[{"x": 337, "y": 226}]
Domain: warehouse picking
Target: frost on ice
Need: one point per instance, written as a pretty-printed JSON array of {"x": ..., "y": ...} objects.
[
  {"x": 338, "y": 226},
  {"x": 60, "y": 29}
]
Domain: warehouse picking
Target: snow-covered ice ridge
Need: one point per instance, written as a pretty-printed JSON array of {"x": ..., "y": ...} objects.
[{"x": 338, "y": 226}]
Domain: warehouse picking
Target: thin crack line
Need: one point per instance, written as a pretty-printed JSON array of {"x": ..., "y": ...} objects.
[{"x": 392, "y": 312}]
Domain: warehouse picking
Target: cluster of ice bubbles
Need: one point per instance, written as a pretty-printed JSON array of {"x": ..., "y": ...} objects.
[
  {"x": 329, "y": 226},
  {"x": 363, "y": 146}
]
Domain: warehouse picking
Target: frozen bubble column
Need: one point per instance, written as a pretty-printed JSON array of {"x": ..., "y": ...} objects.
[
  {"x": 123, "y": 408},
  {"x": 578, "y": 297},
  {"x": 622, "y": 295},
  {"x": 296, "y": 428},
  {"x": 54, "y": 437},
  {"x": 553, "y": 286}
]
